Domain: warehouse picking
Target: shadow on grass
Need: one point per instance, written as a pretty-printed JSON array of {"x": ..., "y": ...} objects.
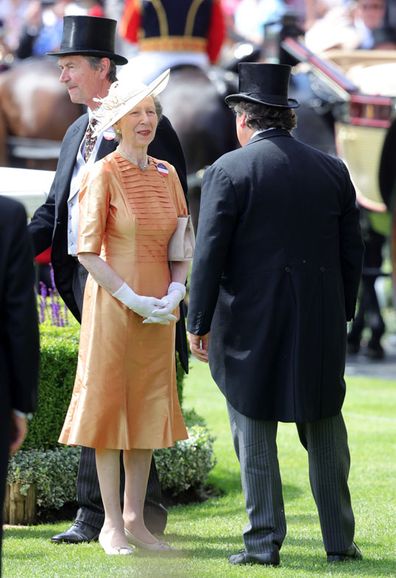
[
  {"x": 226, "y": 482},
  {"x": 220, "y": 548},
  {"x": 291, "y": 493},
  {"x": 216, "y": 548},
  {"x": 365, "y": 567}
]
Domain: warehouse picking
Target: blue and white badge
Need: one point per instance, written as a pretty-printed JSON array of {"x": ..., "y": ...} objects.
[{"x": 161, "y": 168}]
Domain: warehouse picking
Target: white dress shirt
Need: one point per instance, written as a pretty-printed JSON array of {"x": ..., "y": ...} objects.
[{"x": 80, "y": 167}]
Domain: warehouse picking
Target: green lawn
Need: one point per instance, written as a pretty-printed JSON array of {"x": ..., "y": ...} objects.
[{"x": 205, "y": 534}]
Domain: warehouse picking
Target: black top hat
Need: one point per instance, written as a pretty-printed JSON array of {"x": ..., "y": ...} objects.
[
  {"x": 264, "y": 84},
  {"x": 89, "y": 36}
]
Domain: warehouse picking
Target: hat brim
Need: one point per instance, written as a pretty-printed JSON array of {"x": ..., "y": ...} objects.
[
  {"x": 118, "y": 59},
  {"x": 114, "y": 114},
  {"x": 291, "y": 102}
]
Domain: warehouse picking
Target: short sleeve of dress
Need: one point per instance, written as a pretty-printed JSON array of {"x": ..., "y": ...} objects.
[{"x": 94, "y": 201}]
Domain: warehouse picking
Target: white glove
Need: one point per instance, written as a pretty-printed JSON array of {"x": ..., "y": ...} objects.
[
  {"x": 144, "y": 306},
  {"x": 163, "y": 320},
  {"x": 163, "y": 316},
  {"x": 176, "y": 293}
]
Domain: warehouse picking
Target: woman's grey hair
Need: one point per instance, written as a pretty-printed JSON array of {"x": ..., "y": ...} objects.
[
  {"x": 158, "y": 107},
  {"x": 262, "y": 116},
  {"x": 94, "y": 62}
]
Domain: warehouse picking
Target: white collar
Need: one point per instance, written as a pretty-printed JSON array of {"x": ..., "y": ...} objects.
[{"x": 261, "y": 130}]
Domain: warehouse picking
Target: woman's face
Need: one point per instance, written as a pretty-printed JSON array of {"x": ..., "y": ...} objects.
[{"x": 139, "y": 125}]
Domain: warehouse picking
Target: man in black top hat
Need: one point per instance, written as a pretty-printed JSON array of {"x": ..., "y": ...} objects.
[
  {"x": 87, "y": 62},
  {"x": 275, "y": 278}
]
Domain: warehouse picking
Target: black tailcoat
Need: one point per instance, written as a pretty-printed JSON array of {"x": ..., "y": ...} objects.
[
  {"x": 19, "y": 337},
  {"x": 48, "y": 226},
  {"x": 275, "y": 277}
]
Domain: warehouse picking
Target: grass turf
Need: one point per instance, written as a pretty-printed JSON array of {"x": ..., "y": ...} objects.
[{"x": 205, "y": 534}]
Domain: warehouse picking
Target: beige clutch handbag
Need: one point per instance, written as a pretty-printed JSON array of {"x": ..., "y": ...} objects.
[{"x": 182, "y": 243}]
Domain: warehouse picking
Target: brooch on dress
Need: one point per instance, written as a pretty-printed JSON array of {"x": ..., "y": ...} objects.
[{"x": 161, "y": 168}]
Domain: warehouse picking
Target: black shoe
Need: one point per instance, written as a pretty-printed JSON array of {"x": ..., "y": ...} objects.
[
  {"x": 77, "y": 534},
  {"x": 353, "y": 553},
  {"x": 266, "y": 559}
]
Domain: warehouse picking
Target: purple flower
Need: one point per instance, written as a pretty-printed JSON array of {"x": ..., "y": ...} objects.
[{"x": 51, "y": 305}]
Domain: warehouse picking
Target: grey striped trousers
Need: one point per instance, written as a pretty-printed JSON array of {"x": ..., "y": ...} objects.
[{"x": 329, "y": 461}]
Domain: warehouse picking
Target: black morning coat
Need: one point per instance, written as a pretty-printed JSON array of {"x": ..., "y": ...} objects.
[
  {"x": 19, "y": 336},
  {"x": 49, "y": 223},
  {"x": 275, "y": 277}
]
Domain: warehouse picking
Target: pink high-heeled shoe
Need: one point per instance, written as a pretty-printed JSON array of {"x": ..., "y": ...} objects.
[{"x": 153, "y": 546}]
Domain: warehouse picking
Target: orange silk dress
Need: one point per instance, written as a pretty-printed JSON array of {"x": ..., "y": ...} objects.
[{"x": 125, "y": 393}]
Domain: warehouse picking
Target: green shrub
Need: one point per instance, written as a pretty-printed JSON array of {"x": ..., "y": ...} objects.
[
  {"x": 179, "y": 379},
  {"x": 188, "y": 463},
  {"x": 191, "y": 417},
  {"x": 58, "y": 361},
  {"x": 54, "y": 471}
]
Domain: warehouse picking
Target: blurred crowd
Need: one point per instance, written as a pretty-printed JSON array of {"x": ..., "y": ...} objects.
[{"x": 34, "y": 27}]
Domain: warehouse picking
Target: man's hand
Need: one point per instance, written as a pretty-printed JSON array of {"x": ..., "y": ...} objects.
[
  {"x": 199, "y": 345},
  {"x": 18, "y": 432}
]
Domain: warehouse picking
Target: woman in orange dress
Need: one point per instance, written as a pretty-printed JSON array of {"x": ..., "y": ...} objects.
[{"x": 125, "y": 395}]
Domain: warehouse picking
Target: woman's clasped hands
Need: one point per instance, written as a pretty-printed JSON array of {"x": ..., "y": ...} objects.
[
  {"x": 155, "y": 311},
  {"x": 163, "y": 314}
]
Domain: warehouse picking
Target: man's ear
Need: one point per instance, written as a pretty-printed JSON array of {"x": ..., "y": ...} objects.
[
  {"x": 104, "y": 66},
  {"x": 242, "y": 120}
]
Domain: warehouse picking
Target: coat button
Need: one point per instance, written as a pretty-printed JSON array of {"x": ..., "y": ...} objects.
[{"x": 287, "y": 269}]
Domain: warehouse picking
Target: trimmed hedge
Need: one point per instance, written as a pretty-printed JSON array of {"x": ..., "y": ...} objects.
[
  {"x": 187, "y": 464},
  {"x": 54, "y": 472},
  {"x": 58, "y": 362}
]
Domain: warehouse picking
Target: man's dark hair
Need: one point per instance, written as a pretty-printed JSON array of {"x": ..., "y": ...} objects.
[
  {"x": 261, "y": 116},
  {"x": 94, "y": 62}
]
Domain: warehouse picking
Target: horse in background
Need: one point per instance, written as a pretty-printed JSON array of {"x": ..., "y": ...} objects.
[
  {"x": 35, "y": 112},
  {"x": 194, "y": 103}
]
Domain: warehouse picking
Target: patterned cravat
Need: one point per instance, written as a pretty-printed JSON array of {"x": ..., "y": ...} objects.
[{"x": 89, "y": 139}]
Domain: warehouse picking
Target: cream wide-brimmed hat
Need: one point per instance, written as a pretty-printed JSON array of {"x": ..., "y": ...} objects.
[{"x": 123, "y": 96}]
